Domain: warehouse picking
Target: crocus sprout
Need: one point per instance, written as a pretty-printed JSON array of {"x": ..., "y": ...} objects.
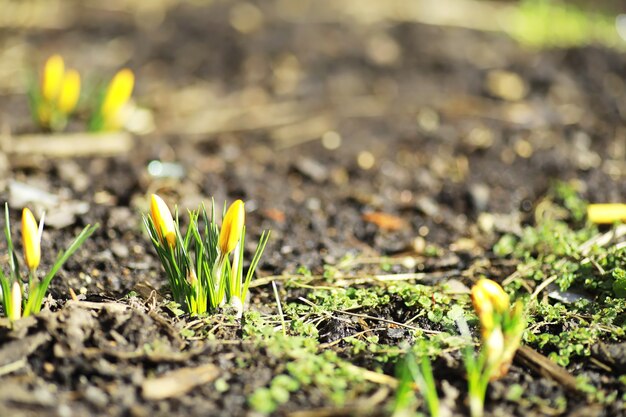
[
  {"x": 204, "y": 265},
  {"x": 606, "y": 213},
  {"x": 110, "y": 114},
  {"x": 21, "y": 300},
  {"x": 56, "y": 97},
  {"x": 162, "y": 218},
  {"x": 502, "y": 326},
  {"x": 31, "y": 240}
]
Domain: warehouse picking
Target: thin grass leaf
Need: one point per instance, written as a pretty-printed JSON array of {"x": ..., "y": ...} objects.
[
  {"x": 404, "y": 402},
  {"x": 6, "y": 294},
  {"x": 239, "y": 270},
  {"x": 255, "y": 261},
  {"x": 14, "y": 264},
  {"x": 61, "y": 259}
]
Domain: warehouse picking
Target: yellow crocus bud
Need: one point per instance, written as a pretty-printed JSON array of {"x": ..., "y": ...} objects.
[
  {"x": 52, "y": 78},
  {"x": 117, "y": 95},
  {"x": 606, "y": 213},
  {"x": 70, "y": 92},
  {"x": 481, "y": 301},
  {"x": 491, "y": 290},
  {"x": 16, "y": 302},
  {"x": 163, "y": 221},
  {"x": 484, "y": 309},
  {"x": 232, "y": 227},
  {"x": 31, "y": 240}
]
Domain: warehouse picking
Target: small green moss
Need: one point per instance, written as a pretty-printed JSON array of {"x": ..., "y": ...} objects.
[
  {"x": 262, "y": 401},
  {"x": 515, "y": 393},
  {"x": 619, "y": 283}
]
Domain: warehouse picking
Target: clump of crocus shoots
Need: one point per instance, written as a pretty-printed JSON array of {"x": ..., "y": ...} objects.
[
  {"x": 55, "y": 98},
  {"x": 23, "y": 293},
  {"x": 204, "y": 265},
  {"x": 111, "y": 112},
  {"x": 501, "y": 328}
]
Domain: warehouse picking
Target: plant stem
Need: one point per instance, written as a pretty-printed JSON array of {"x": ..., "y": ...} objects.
[{"x": 477, "y": 405}]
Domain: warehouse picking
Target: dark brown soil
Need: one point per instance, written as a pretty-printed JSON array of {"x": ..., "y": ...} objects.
[{"x": 424, "y": 141}]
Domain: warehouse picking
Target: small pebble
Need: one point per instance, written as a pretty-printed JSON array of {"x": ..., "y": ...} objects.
[
  {"x": 331, "y": 140},
  {"x": 479, "y": 196},
  {"x": 506, "y": 85},
  {"x": 365, "y": 160},
  {"x": 120, "y": 250},
  {"x": 96, "y": 396}
]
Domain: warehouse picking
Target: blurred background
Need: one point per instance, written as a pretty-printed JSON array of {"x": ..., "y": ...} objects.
[
  {"x": 207, "y": 66},
  {"x": 322, "y": 112}
]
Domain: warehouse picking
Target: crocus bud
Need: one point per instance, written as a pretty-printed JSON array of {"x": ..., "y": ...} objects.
[
  {"x": 70, "y": 92},
  {"x": 480, "y": 300},
  {"x": 163, "y": 221},
  {"x": 232, "y": 227},
  {"x": 16, "y": 301},
  {"x": 52, "y": 77},
  {"x": 117, "y": 95},
  {"x": 31, "y": 240},
  {"x": 493, "y": 292},
  {"x": 606, "y": 213}
]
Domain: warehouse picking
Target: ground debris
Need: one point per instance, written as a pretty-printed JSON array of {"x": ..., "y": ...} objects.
[
  {"x": 19, "y": 349},
  {"x": 178, "y": 382},
  {"x": 613, "y": 355},
  {"x": 545, "y": 367},
  {"x": 385, "y": 221}
]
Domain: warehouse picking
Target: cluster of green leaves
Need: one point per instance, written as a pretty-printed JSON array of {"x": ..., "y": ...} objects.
[
  {"x": 552, "y": 247},
  {"x": 380, "y": 352},
  {"x": 568, "y": 331},
  {"x": 305, "y": 366},
  {"x": 435, "y": 303},
  {"x": 349, "y": 298},
  {"x": 593, "y": 278}
]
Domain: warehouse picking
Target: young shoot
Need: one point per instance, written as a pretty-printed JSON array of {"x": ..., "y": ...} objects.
[
  {"x": 23, "y": 294},
  {"x": 204, "y": 265},
  {"x": 415, "y": 373},
  {"x": 54, "y": 98},
  {"x": 501, "y": 328}
]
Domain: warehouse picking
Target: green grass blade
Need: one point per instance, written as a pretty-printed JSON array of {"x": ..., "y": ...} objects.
[
  {"x": 265, "y": 236},
  {"x": 77, "y": 243},
  {"x": 6, "y": 293},
  {"x": 14, "y": 265}
]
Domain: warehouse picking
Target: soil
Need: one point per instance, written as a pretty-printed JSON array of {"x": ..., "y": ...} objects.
[{"x": 346, "y": 136}]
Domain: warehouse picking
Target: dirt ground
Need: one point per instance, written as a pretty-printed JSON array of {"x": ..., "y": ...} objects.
[{"x": 350, "y": 136}]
